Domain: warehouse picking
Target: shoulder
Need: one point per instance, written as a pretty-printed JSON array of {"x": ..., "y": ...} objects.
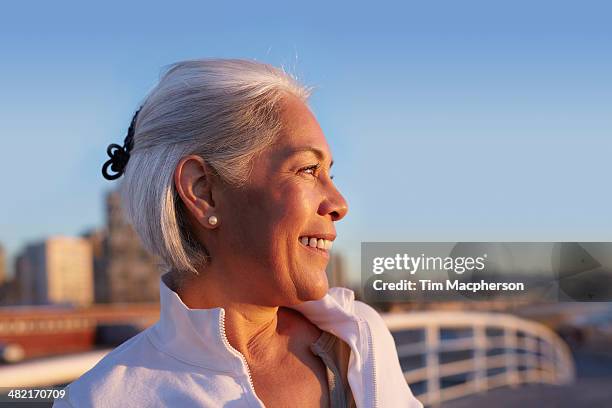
[
  {"x": 381, "y": 335},
  {"x": 367, "y": 312},
  {"x": 109, "y": 379},
  {"x": 393, "y": 389},
  {"x": 345, "y": 299}
]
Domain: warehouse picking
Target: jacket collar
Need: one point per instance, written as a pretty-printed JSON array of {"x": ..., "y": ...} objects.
[
  {"x": 197, "y": 336},
  {"x": 335, "y": 313}
]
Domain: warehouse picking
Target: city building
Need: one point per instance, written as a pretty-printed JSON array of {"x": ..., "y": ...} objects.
[
  {"x": 336, "y": 271},
  {"x": 9, "y": 293},
  {"x": 56, "y": 270},
  {"x": 2, "y": 266},
  {"x": 126, "y": 271},
  {"x": 24, "y": 280},
  {"x": 97, "y": 239}
]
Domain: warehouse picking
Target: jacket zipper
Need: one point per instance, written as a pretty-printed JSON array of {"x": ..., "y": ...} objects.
[
  {"x": 373, "y": 360},
  {"x": 229, "y": 346}
]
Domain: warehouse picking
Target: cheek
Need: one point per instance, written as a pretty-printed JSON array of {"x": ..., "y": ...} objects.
[
  {"x": 293, "y": 208},
  {"x": 284, "y": 204},
  {"x": 262, "y": 220}
]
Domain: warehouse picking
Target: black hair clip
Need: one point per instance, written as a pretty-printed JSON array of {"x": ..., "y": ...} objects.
[{"x": 119, "y": 155}]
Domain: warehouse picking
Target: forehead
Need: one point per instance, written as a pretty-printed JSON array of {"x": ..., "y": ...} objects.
[{"x": 300, "y": 129}]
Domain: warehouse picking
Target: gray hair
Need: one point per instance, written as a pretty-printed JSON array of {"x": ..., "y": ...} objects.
[{"x": 223, "y": 110}]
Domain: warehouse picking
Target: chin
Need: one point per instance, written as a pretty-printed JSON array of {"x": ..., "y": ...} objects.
[{"x": 314, "y": 291}]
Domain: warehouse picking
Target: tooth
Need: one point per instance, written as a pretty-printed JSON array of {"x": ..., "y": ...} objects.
[
  {"x": 313, "y": 242},
  {"x": 321, "y": 244},
  {"x": 329, "y": 245},
  {"x": 304, "y": 240}
]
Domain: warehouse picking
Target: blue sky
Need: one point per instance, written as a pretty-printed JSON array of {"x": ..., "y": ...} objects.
[{"x": 449, "y": 121}]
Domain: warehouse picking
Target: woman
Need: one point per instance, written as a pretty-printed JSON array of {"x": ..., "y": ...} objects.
[{"x": 227, "y": 179}]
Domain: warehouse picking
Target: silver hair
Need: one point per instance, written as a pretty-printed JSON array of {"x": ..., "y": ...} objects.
[{"x": 225, "y": 111}]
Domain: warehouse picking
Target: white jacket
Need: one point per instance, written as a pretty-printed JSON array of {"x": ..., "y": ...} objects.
[{"x": 185, "y": 360}]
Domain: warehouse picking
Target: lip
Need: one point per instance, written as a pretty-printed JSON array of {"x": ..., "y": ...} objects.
[{"x": 329, "y": 237}]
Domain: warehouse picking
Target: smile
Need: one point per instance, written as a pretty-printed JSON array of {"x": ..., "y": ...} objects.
[{"x": 319, "y": 245}]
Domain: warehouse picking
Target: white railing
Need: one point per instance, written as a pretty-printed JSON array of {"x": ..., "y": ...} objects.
[{"x": 493, "y": 350}]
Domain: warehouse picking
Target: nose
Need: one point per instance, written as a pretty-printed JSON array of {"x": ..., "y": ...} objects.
[{"x": 334, "y": 204}]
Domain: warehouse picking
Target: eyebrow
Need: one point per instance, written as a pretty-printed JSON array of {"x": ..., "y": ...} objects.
[{"x": 317, "y": 152}]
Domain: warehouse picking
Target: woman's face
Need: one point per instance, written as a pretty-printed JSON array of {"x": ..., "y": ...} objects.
[{"x": 289, "y": 200}]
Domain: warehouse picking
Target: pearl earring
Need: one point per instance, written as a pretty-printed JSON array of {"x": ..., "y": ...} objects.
[{"x": 212, "y": 220}]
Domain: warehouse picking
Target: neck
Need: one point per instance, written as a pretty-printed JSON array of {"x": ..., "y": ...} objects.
[{"x": 254, "y": 330}]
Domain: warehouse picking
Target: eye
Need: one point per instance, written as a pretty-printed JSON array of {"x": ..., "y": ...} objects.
[{"x": 312, "y": 170}]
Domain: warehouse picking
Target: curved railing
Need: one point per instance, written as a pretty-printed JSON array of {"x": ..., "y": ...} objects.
[{"x": 447, "y": 355}]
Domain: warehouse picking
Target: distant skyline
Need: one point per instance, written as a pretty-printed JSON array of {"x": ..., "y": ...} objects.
[{"x": 448, "y": 121}]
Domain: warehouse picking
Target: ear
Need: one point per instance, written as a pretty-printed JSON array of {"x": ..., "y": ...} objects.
[{"x": 193, "y": 180}]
